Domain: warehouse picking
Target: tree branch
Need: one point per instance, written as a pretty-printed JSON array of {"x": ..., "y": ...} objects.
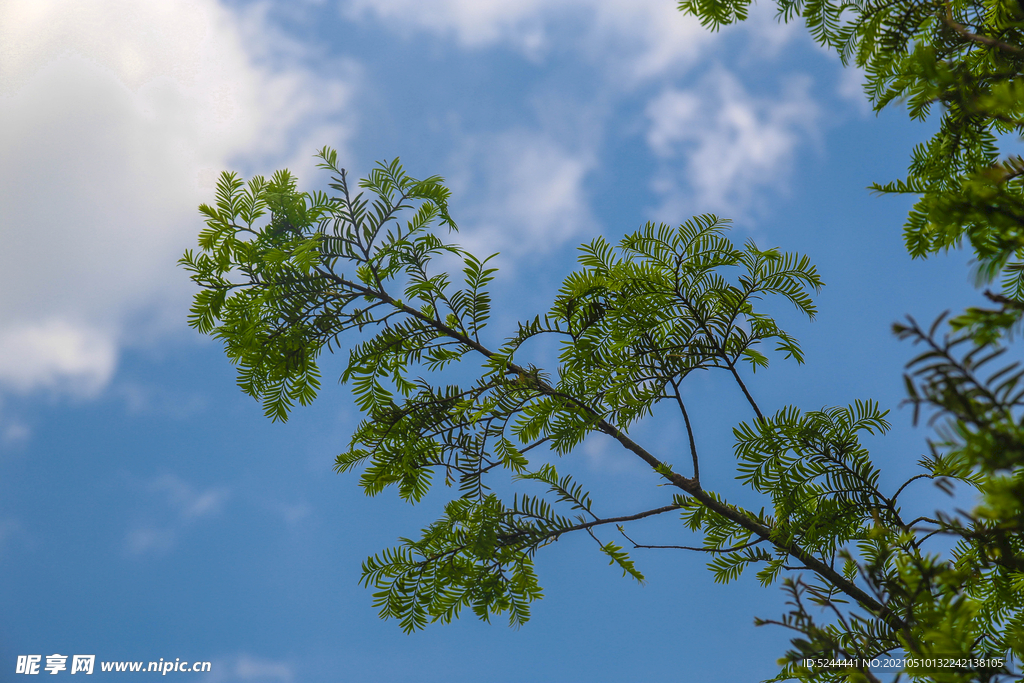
[
  {"x": 615, "y": 520},
  {"x": 686, "y": 484},
  {"x": 980, "y": 39},
  {"x": 686, "y": 547},
  {"x": 689, "y": 433}
]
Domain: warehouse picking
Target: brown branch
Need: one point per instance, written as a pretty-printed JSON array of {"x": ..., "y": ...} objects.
[
  {"x": 686, "y": 484},
  {"x": 980, "y": 39},
  {"x": 809, "y": 561},
  {"x": 603, "y": 425}
]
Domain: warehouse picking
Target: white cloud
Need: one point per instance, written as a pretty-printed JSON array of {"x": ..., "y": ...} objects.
[
  {"x": 187, "y": 505},
  {"x": 149, "y": 540},
  {"x": 474, "y": 23},
  {"x": 527, "y": 193},
  {"x": 117, "y": 116},
  {"x": 722, "y": 147},
  {"x": 190, "y": 503},
  {"x": 650, "y": 38},
  {"x": 850, "y": 87},
  {"x": 245, "y": 667},
  {"x": 732, "y": 146},
  {"x": 637, "y": 39},
  {"x": 54, "y": 352},
  {"x": 15, "y": 432}
]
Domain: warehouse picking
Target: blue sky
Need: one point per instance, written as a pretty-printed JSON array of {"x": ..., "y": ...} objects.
[{"x": 148, "y": 510}]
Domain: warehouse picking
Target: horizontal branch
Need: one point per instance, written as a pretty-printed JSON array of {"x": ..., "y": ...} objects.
[
  {"x": 687, "y": 547},
  {"x": 611, "y": 520}
]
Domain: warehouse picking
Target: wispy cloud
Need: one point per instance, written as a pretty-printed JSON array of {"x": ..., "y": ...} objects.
[
  {"x": 15, "y": 432},
  {"x": 142, "y": 397},
  {"x": 722, "y": 147},
  {"x": 184, "y": 505},
  {"x": 189, "y": 502},
  {"x": 850, "y": 87},
  {"x": 293, "y": 514},
  {"x": 474, "y": 23},
  {"x": 145, "y": 540},
  {"x": 249, "y": 669},
  {"x": 523, "y": 192},
  {"x": 635, "y": 39}
]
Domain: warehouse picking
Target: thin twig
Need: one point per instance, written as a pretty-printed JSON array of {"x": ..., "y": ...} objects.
[{"x": 686, "y": 547}]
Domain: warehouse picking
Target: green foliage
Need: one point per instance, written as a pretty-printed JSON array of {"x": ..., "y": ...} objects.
[
  {"x": 285, "y": 275},
  {"x": 642, "y": 317},
  {"x": 291, "y": 303},
  {"x": 980, "y": 435},
  {"x": 469, "y": 558},
  {"x": 632, "y": 323},
  {"x": 821, "y": 481},
  {"x": 960, "y": 60}
]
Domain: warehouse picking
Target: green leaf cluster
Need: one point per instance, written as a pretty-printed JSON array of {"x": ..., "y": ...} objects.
[
  {"x": 960, "y": 60},
  {"x": 285, "y": 275},
  {"x": 822, "y": 483},
  {"x": 631, "y": 324},
  {"x": 468, "y": 558},
  {"x": 667, "y": 301}
]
